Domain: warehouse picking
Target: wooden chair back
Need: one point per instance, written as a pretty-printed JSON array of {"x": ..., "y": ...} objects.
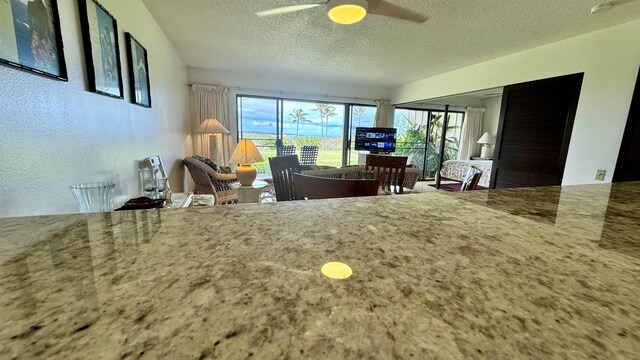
[
  {"x": 288, "y": 150},
  {"x": 389, "y": 170},
  {"x": 315, "y": 187},
  {"x": 471, "y": 179},
  {"x": 309, "y": 155},
  {"x": 282, "y": 170}
]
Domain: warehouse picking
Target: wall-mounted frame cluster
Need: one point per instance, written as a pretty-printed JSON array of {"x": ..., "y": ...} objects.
[
  {"x": 31, "y": 40},
  {"x": 30, "y": 37}
]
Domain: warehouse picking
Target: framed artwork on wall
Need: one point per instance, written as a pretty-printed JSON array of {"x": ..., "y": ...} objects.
[
  {"x": 138, "y": 64},
  {"x": 101, "y": 49},
  {"x": 30, "y": 37}
]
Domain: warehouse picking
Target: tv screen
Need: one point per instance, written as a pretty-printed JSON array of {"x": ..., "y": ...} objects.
[{"x": 376, "y": 140}]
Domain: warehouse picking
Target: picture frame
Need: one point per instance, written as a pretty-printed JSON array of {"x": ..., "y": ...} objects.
[
  {"x": 30, "y": 37},
  {"x": 101, "y": 49},
  {"x": 138, "y": 65}
]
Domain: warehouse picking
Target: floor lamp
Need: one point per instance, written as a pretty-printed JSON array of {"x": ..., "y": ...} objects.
[{"x": 213, "y": 127}]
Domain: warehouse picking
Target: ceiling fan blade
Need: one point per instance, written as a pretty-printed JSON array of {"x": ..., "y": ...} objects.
[
  {"x": 381, "y": 7},
  {"x": 288, "y": 9}
]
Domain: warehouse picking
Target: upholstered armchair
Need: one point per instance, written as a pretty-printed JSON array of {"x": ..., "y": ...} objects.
[{"x": 209, "y": 181}]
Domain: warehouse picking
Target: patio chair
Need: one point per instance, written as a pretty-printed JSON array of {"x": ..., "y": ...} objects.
[
  {"x": 389, "y": 170},
  {"x": 309, "y": 155},
  {"x": 209, "y": 181},
  {"x": 315, "y": 187},
  {"x": 282, "y": 169},
  {"x": 288, "y": 150}
]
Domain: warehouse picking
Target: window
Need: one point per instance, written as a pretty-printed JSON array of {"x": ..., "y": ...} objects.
[
  {"x": 361, "y": 116},
  {"x": 420, "y": 135},
  {"x": 273, "y": 123}
]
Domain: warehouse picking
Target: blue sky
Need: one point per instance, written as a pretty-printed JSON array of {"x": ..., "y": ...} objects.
[{"x": 259, "y": 116}]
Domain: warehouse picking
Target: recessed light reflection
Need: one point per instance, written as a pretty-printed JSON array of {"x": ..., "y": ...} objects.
[{"x": 336, "y": 270}]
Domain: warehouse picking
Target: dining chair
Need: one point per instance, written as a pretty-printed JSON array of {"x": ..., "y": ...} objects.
[
  {"x": 288, "y": 150},
  {"x": 309, "y": 155},
  {"x": 282, "y": 169},
  {"x": 315, "y": 187},
  {"x": 389, "y": 170},
  {"x": 471, "y": 179}
]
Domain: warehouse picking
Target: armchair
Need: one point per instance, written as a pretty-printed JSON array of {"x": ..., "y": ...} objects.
[{"x": 209, "y": 181}]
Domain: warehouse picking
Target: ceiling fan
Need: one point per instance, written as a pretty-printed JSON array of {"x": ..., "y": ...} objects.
[{"x": 349, "y": 12}]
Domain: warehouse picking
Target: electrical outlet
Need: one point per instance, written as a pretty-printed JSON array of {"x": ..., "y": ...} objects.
[{"x": 600, "y": 174}]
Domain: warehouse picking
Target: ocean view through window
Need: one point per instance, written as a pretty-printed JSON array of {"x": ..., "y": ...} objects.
[{"x": 274, "y": 123}]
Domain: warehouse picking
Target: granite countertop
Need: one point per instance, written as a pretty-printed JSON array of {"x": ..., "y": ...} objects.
[{"x": 525, "y": 273}]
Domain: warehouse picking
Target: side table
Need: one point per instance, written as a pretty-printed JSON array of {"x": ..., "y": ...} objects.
[
  {"x": 249, "y": 194},
  {"x": 180, "y": 200}
]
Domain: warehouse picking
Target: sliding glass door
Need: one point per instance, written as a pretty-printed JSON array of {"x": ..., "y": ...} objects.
[
  {"x": 360, "y": 116},
  {"x": 420, "y": 133},
  {"x": 275, "y": 124},
  {"x": 320, "y": 124},
  {"x": 258, "y": 121}
]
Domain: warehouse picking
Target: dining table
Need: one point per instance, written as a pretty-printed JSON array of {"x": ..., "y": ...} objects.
[{"x": 550, "y": 272}]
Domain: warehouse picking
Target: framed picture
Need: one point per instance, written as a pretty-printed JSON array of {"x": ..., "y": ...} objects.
[
  {"x": 101, "y": 49},
  {"x": 30, "y": 37},
  {"x": 138, "y": 72}
]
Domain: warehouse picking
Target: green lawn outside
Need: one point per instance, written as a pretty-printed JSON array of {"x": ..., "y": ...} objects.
[
  {"x": 330, "y": 152},
  {"x": 325, "y": 157}
]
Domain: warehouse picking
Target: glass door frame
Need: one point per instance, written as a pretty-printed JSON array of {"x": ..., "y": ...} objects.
[
  {"x": 347, "y": 140},
  {"x": 346, "y": 121},
  {"x": 426, "y": 138}
]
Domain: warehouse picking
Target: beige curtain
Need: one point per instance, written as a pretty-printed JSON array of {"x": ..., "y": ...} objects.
[
  {"x": 384, "y": 114},
  {"x": 210, "y": 102},
  {"x": 471, "y": 132}
]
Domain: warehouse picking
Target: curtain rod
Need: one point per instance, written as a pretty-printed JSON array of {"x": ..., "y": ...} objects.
[
  {"x": 291, "y": 93},
  {"x": 430, "y": 106}
]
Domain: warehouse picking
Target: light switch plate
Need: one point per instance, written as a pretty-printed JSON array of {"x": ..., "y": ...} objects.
[{"x": 600, "y": 174}]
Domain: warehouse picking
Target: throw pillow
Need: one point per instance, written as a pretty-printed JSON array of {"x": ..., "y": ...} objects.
[{"x": 212, "y": 164}]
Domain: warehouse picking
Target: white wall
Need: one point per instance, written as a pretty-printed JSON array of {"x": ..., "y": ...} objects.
[
  {"x": 285, "y": 87},
  {"x": 609, "y": 58},
  {"x": 491, "y": 117},
  {"x": 54, "y": 134}
]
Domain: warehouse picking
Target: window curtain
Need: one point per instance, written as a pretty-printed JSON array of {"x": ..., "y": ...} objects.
[
  {"x": 210, "y": 102},
  {"x": 384, "y": 114},
  {"x": 471, "y": 132}
]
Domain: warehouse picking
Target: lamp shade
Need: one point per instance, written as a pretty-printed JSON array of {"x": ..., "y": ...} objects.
[
  {"x": 486, "y": 139},
  {"x": 246, "y": 153},
  {"x": 212, "y": 126}
]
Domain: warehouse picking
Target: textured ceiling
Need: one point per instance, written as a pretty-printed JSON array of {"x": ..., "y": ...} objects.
[{"x": 225, "y": 35}]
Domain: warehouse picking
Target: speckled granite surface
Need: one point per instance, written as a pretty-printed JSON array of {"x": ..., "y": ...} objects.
[{"x": 545, "y": 273}]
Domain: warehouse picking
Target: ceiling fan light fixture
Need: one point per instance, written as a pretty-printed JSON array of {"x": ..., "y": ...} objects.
[
  {"x": 601, "y": 8},
  {"x": 347, "y": 12}
]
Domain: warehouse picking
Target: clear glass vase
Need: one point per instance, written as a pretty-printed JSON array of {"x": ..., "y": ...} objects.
[{"x": 94, "y": 197}]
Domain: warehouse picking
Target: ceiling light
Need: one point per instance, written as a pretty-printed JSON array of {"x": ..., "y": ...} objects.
[
  {"x": 600, "y": 8},
  {"x": 347, "y": 12}
]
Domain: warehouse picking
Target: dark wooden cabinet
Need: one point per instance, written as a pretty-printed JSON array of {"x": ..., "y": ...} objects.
[
  {"x": 536, "y": 120},
  {"x": 628, "y": 165}
]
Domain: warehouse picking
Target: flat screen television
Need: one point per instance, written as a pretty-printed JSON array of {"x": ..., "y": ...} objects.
[{"x": 376, "y": 140}]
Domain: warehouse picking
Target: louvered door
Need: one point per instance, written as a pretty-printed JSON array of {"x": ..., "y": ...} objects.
[
  {"x": 536, "y": 120},
  {"x": 628, "y": 167}
]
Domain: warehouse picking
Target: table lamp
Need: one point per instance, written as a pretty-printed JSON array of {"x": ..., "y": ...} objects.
[
  {"x": 213, "y": 127},
  {"x": 245, "y": 154},
  {"x": 486, "y": 141}
]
